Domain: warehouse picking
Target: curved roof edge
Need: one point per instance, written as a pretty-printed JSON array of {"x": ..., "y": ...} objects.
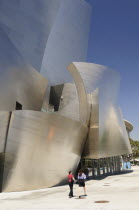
[{"x": 128, "y": 125}]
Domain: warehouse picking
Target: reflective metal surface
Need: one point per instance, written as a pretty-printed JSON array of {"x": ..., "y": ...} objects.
[
  {"x": 39, "y": 32},
  {"x": 107, "y": 135},
  {"x": 68, "y": 40},
  {"x": 37, "y": 149},
  {"x": 128, "y": 125},
  {"x": 18, "y": 80},
  {"x": 69, "y": 104},
  {"x": 82, "y": 95},
  {"x": 28, "y": 24},
  {"x": 4, "y": 122},
  {"x": 41, "y": 148}
]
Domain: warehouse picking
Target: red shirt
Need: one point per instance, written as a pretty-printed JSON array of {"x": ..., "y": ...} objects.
[{"x": 70, "y": 178}]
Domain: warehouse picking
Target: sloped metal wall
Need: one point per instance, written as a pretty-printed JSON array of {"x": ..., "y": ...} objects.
[
  {"x": 107, "y": 137},
  {"x": 41, "y": 148}
]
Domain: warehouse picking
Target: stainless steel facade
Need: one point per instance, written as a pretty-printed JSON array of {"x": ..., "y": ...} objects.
[
  {"x": 28, "y": 23},
  {"x": 18, "y": 81},
  {"x": 69, "y": 105},
  {"x": 41, "y": 29},
  {"x": 37, "y": 149},
  {"x": 129, "y": 127},
  {"x": 4, "y": 124},
  {"x": 31, "y": 35},
  {"x": 107, "y": 133},
  {"x": 41, "y": 148},
  {"x": 69, "y": 36}
]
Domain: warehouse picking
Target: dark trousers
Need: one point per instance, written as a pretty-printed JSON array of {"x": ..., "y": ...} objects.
[{"x": 71, "y": 189}]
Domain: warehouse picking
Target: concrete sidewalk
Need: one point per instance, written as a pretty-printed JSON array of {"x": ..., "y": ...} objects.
[{"x": 121, "y": 192}]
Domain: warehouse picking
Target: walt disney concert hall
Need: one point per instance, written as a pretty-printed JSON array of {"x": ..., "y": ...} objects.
[{"x": 55, "y": 108}]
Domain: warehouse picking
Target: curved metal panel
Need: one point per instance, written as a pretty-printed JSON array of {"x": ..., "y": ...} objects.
[
  {"x": 128, "y": 125},
  {"x": 28, "y": 24},
  {"x": 69, "y": 104},
  {"x": 41, "y": 148},
  {"x": 18, "y": 80},
  {"x": 107, "y": 135},
  {"x": 4, "y": 126},
  {"x": 68, "y": 40},
  {"x": 82, "y": 95},
  {"x": 4, "y": 122}
]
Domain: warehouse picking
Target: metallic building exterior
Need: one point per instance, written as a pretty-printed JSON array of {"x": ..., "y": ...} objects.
[
  {"x": 40, "y": 29},
  {"x": 129, "y": 127},
  {"x": 28, "y": 24},
  {"x": 37, "y": 148},
  {"x": 107, "y": 134},
  {"x": 18, "y": 80},
  {"x": 69, "y": 36},
  {"x": 26, "y": 86},
  {"x": 41, "y": 148},
  {"x": 34, "y": 143},
  {"x": 4, "y": 123}
]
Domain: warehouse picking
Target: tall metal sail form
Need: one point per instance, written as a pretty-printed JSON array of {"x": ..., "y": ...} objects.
[
  {"x": 19, "y": 82},
  {"x": 69, "y": 36},
  {"x": 40, "y": 29},
  {"x": 28, "y": 23},
  {"x": 107, "y": 134}
]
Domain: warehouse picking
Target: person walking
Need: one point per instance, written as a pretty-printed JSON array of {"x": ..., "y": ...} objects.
[
  {"x": 81, "y": 181},
  {"x": 71, "y": 181}
]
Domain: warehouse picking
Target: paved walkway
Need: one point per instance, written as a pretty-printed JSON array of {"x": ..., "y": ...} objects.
[{"x": 121, "y": 192}]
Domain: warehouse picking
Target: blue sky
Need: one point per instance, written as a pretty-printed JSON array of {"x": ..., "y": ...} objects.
[{"x": 114, "y": 42}]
